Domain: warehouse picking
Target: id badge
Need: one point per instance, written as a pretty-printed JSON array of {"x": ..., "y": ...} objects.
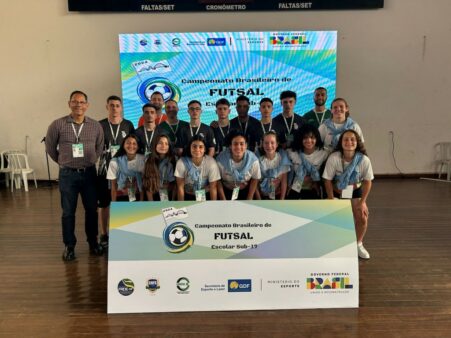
[
  {"x": 201, "y": 195},
  {"x": 272, "y": 192},
  {"x": 347, "y": 192},
  {"x": 297, "y": 186},
  {"x": 235, "y": 193},
  {"x": 77, "y": 150},
  {"x": 147, "y": 153},
  {"x": 290, "y": 138},
  {"x": 164, "y": 196},
  {"x": 114, "y": 149},
  {"x": 131, "y": 194}
]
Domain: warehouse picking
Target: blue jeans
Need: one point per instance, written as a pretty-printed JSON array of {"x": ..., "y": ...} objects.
[{"x": 72, "y": 183}]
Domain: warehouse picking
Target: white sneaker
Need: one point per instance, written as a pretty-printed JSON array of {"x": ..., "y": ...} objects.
[{"x": 362, "y": 251}]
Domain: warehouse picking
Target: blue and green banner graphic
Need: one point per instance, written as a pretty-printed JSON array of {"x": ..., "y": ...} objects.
[
  {"x": 210, "y": 66},
  {"x": 231, "y": 255}
]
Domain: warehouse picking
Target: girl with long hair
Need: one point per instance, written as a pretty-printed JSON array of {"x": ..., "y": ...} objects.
[
  {"x": 348, "y": 175},
  {"x": 158, "y": 178},
  {"x": 125, "y": 171},
  {"x": 331, "y": 129}
]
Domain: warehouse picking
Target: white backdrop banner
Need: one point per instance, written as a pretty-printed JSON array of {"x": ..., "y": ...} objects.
[{"x": 231, "y": 255}]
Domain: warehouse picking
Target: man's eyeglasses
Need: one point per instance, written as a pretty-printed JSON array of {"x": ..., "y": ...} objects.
[{"x": 75, "y": 103}]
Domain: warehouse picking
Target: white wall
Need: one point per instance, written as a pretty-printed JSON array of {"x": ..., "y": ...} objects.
[{"x": 394, "y": 67}]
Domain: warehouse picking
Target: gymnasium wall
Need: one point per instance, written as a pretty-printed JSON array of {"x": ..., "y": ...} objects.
[{"x": 393, "y": 68}]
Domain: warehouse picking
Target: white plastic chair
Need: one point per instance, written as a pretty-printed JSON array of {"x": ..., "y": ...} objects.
[
  {"x": 444, "y": 158},
  {"x": 20, "y": 169},
  {"x": 5, "y": 168}
]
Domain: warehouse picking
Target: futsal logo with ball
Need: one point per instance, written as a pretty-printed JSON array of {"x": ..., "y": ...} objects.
[
  {"x": 168, "y": 90},
  {"x": 178, "y": 237}
]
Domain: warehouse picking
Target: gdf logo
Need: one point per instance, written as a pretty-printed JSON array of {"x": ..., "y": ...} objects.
[{"x": 239, "y": 285}]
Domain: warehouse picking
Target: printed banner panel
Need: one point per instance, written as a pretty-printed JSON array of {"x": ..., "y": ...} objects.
[
  {"x": 231, "y": 255},
  {"x": 208, "y": 66}
]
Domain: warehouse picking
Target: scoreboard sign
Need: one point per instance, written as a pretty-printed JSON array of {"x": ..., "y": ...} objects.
[{"x": 217, "y": 5}]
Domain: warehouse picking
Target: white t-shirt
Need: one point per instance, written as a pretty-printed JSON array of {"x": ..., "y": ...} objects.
[
  {"x": 327, "y": 136},
  {"x": 137, "y": 164},
  {"x": 266, "y": 163},
  {"x": 335, "y": 165},
  {"x": 209, "y": 171},
  {"x": 317, "y": 158},
  {"x": 227, "y": 178}
]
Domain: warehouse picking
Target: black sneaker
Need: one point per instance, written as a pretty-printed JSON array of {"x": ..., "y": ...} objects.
[
  {"x": 104, "y": 241},
  {"x": 68, "y": 254},
  {"x": 95, "y": 249}
]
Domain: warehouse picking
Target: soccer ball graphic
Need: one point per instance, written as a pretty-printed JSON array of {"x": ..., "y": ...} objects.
[
  {"x": 161, "y": 87},
  {"x": 158, "y": 84},
  {"x": 178, "y": 236}
]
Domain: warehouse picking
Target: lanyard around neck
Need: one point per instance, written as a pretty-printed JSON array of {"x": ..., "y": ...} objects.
[
  {"x": 176, "y": 127},
  {"x": 191, "y": 130},
  {"x": 163, "y": 174},
  {"x": 245, "y": 126},
  {"x": 117, "y": 131},
  {"x": 322, "y": 117},
  {"x": 222, "y": 132},
  {"x": 199, "y": 182},
  {"x": 286, "y": 124},
  {"x": 263, "y": 127},
  {"x": 77, "y": 135},
  {"x": 148, "y": 142}
]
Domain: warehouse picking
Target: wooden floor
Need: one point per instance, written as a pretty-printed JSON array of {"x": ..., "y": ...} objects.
[{"x": 405, "y": 288}]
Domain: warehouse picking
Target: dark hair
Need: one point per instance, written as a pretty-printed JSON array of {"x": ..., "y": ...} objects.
[
  {"x": 301, "y": 133},
  {"x": 194, "y": 101},
  {"x": 223, "y": 101},
  {"x": 341, "y": 99},
  {"x": 75, "y": 92},
  {"x": 149, "y": 105},
  {"x": 121, "y": 150},
  {"x": 360, "y": 146},
  {"x": 287, "y": 94},
  {"x": 170, "y": 153},
  {"x": 187, "y": 149},
  {"x": 113, "y": 98},
  {"x": 151, "y": 175},
  {"x": 261, "y": 150},
  {"x": 243, "y": 98},
  {"x": 172, "y": 100},
  {"x": 233, "y": 134},
  {"x": 157, "y": 93},
  {"x": 320, "y": 88},
  {"x": 266, "y": 99}
]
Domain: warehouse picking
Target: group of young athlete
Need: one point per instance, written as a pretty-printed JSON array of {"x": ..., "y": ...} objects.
[{"x": 318, "y": 155}]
